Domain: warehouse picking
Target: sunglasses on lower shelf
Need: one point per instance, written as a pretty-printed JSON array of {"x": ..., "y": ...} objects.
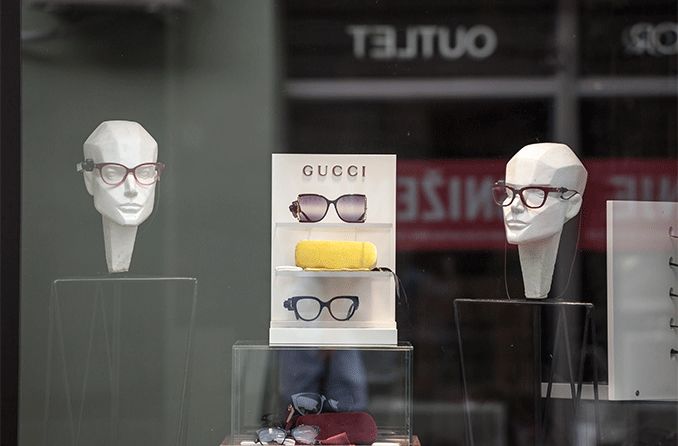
[{"x": 311, "y": 208}]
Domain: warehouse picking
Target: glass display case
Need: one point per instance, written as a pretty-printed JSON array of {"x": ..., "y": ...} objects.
[{"x": 372, "y": 380}]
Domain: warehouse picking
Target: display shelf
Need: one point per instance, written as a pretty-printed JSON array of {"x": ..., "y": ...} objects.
[
  {"x": 334, "y": 324},
  {"x": 330, "y": 337},
  {"x": 336, "y": 274}
]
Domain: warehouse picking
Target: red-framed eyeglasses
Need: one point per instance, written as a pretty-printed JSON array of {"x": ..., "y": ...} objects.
[{"x": 114, "y": 174}]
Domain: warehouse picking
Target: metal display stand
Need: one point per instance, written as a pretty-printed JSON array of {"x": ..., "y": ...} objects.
[
  {"x": 561, "y": 346},
  {"x": 119, "y": 360}
]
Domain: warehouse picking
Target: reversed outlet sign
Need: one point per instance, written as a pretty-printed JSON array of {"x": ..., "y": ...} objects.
[
  {"x": 642, "y": 278},
  {"x": 331, "y": 200}
]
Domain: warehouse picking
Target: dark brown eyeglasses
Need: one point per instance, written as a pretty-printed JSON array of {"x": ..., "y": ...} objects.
[
  {"x": 114, "y": 174},
  {"x": 533, "y": 197}
]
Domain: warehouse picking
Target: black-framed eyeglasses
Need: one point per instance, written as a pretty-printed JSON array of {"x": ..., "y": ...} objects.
[
  {"x": 114, "y": 174},
  {"x": 311, "y": 208},
  {"x": 308, "y": 308},
  {"x": 533, "y": 197},
  {"x": 303, "y": 434}
]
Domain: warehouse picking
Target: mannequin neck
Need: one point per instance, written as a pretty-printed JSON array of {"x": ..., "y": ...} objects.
[
  {"x": 119, "y": 243},
  {"x": 537, "y": 262}
]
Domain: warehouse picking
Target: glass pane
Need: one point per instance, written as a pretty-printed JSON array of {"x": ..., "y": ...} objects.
[{"x": 453, "y": 88}]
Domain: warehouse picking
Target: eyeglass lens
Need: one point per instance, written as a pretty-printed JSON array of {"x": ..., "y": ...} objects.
[
  {"x": 308, "y": 403},
  {"x": 350, "y": 208},
  {"x": 340, "y": 308},
  {"x": 271, "y": 434},
  {"x": 305, "y": 434},
  {"x": 312, "y": 403},
  {"x": 114, "y": 174}
]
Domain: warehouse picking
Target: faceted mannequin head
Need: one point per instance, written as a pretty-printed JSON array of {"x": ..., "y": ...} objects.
[
  {"x": 550, "y": 165},
  {"x": 128, "y": 143}
]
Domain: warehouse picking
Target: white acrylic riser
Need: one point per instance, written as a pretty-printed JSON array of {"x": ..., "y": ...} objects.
[
  {"x": 374, "y": 321},
  {"x": 639, "y": 307}
]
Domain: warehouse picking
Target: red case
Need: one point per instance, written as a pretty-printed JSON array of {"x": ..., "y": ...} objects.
[{"x": 359, "y": 427}]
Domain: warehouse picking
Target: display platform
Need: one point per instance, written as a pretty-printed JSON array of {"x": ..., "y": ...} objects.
[
  {"x": 374, "y": 382},
  {"x": 512, "y": 372},
  {"x": 119, "y": 360},
  {"x": 642, "y": 300},
  {"x": 415, "y": 442}
]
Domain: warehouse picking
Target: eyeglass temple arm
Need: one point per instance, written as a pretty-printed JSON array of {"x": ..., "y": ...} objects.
[
  {"x": 295, "y": 209},
  {"x": 87, "y": 165},
  {"x": 563, "y": 190}
]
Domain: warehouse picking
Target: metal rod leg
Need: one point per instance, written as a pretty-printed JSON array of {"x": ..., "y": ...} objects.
[{"x": 467, "y": 409}]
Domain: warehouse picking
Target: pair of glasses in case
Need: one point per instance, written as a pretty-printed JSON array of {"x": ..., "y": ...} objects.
[
  {"x": 114, "y": 174},
  {"x": 275, "y": 435},
  {"x": 532, "y": 197},
  {"x": 311, "y": 208},
  {"x": 308, "y": 308}
]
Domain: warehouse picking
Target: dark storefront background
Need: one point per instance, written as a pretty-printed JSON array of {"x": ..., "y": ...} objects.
[{"x": 455, "y": 88}]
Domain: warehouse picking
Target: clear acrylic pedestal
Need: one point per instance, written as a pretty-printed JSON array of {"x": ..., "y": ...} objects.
[
  {"x": 501, "y": 346},
  {"x": 377, "y": 380},
  {"x": 119, "y": 360}
]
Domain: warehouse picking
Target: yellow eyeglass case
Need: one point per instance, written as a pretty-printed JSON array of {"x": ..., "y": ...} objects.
[{"x": 335, "y": 255}]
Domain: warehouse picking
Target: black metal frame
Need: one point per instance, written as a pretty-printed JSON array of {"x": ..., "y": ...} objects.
[{"x": 10, "y": 217}]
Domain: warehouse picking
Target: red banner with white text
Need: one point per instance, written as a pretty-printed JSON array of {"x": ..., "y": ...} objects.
[{"x": 447, "y": 204}]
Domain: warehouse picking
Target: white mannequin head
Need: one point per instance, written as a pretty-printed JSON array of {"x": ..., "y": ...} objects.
[
  {"x": 543, "y": 164},
  {"x": 129, "y": 144}
]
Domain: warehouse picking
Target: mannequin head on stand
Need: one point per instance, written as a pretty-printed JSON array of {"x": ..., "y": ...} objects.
[
  {"x": 120, "y": 171},
  {"x": 126, "y": 143},
  {"x": 543, "y": 190}
]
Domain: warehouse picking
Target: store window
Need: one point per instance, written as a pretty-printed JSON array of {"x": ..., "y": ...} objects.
[{"x": 167, "y": 351}]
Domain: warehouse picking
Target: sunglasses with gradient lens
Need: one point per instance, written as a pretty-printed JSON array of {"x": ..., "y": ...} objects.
[{"x": 311, "y": 208}]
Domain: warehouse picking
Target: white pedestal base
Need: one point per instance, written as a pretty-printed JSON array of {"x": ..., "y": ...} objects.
[{"x": 333, "y": 336}]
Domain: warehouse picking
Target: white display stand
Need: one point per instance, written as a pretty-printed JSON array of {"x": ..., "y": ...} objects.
[
  {"x": 332, "y": 176},
  {"x": 639, "y": 307}
]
